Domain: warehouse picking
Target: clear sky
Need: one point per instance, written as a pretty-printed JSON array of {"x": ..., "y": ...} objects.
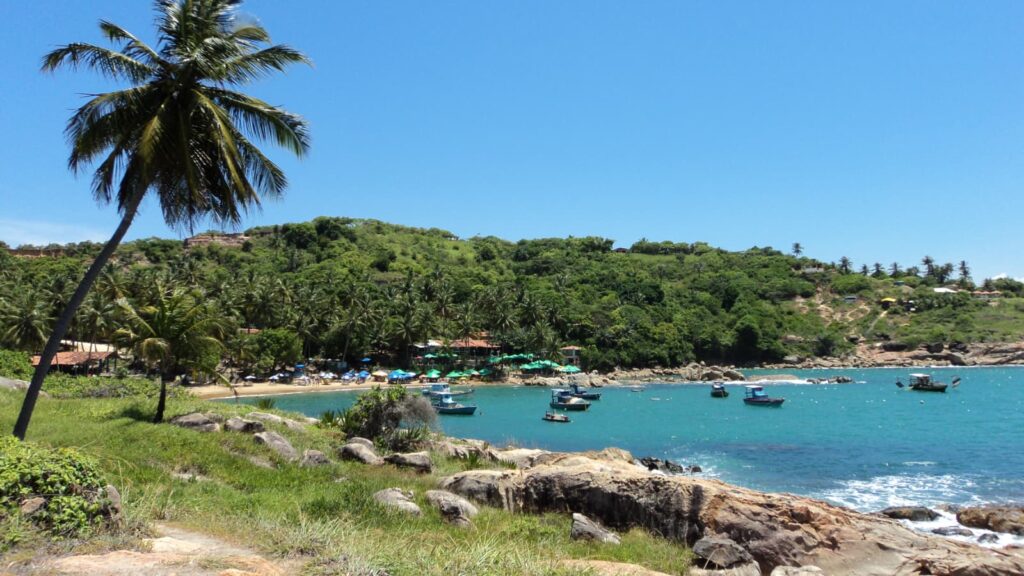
[{"x": 882, "y": 131}]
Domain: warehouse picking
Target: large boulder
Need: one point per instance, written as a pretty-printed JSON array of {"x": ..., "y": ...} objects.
[
  {"x": 731, "y": 374},
  {"x": 275, "y": 419},
  {"x": 520, "y": 457},
  {"x": 418, "y": 461},
  {"x": 584, "y": 528},
  {"x": 718, "y": 553},
  {"x": 196, "y": 421},
  {"x": 1009, "y": 519},
  {"x": 360, "y": 440},
  {"x": 953, "y": 531},
  {"x": 357, "y": 452},
  {"x": 775, "y": 529},
  {"x": 312, "y": 458},
  {"x": 237, "y": 424},
  {"x": 912, "y": 513},
  {"x": 277, "y": 443},
  {"x": 398, "y": 499},
  {"x": 453, "y": 508}
]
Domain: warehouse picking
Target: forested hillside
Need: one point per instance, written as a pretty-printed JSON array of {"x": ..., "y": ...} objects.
[{"x": 338, "y": 287}]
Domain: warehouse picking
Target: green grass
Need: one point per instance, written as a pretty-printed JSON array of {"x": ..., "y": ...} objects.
[{"x": 325, "y": 515}]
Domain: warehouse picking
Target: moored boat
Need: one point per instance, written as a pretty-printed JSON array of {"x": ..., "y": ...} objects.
[
  {"x": 439, "y": 388},
  {"x": 553, "y": 417},
  {"x": 719, "y": 391},
  {"x": 924, "y": 383},
  {"x": 564, "y": 400},
  {"x": 445, "y": 405},
  {"x": 580, "y": 392},
  {"x": 756, "y": 396}
]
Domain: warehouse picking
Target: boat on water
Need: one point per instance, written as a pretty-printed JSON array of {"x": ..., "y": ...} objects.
[
  {"x": 756, "y": 396},
  {"x": 718, "y": 391},
  {"x": 439, "y": 388},
  {"x": 444, "y": 404},
  {"x": 924, "y": 383},
  {"x": 637, "y": 388},
  {"x": 578, "y": 391},
  {"x": 564, "y": 400},
  {"x": 555, "y": 417}
]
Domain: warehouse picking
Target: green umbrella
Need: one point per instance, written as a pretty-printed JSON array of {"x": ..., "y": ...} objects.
[
  {"x": 570, "y": 369},
  {"x": 429, "y": 356},
  {"x": 455, "y": 374},
  {"x": 433, "y": 374},
  {"x": 486, "y": 372}
]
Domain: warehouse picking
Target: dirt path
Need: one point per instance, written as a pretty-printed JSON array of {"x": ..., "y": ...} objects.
[{"x": 176, "y": 552}]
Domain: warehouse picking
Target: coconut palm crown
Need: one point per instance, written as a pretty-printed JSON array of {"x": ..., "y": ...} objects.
[{"x": 179, "y": 131}]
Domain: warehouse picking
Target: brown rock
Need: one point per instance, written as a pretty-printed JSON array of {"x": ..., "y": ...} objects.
[
  {"x": 1007, "y": 519},
  {"x": 398, "y": 499},
  {"x": 30, "y": 506},
  {"x": 245, "y": 426},
  {"x": 776, "y": 529},
  {"x": 584, "y": 528},
  {"x": 418, "y": 461},
  {"x": 354, "y": 451},
  {"x": 277, "y": 443},
  {"x": 312, "y": 458},
  {"x": 196, "y": 421}
]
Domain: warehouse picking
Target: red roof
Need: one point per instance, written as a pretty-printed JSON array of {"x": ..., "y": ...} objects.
[{"x": 75, "y": 358}]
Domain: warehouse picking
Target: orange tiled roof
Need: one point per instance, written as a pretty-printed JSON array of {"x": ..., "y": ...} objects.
[
  {"x": 75, "y": 358},
  {"x": 471, "y": 343}
]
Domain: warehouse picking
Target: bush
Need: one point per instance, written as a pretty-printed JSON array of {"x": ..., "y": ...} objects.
[
  {"x": 390, "y": 417},
  {"x": 15, "y": 364},
  {"x": 70, "y": 483},
  {"x": 66, "y": 386}
]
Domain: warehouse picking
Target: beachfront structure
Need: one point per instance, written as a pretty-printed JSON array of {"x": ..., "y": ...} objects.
[
  {"x": 571, "y": 355},
  {"x": 79, "y": 361}
]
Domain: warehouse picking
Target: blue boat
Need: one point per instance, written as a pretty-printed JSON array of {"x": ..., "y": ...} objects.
[
  {"x": 444, "y": 404},
  {"x": 439, "y": 388},
  {"x": 564, "y": 400},
  {"x": 756, "y": 396},
  {"x": 578, "y": 391},
  {"x": 718, "y": 390}
]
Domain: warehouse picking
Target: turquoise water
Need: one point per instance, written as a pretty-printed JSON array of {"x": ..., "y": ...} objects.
[{"x": 866, "y": 445}]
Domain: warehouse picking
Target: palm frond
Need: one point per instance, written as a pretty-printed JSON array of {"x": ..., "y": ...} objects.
[
  {"x": 104, "y": 60},
  {"x": 255, "y": 65},
  {"x": 290, "y": 131}
]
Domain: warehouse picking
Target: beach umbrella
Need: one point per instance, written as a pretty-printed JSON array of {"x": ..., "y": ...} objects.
[
  {"x": 380, "y": 374},
  {"x": 570, "y": 369},
  {"x": 455, "y": 374},
  {"x": 363, "y": 373},
  {"x": 433, "y": 374},
  {"x": 486, "y": 372},
  {"x": 471, "y": 373},
  {"x": 429, "y": 356},
  {"x": 366, "y": 360}
]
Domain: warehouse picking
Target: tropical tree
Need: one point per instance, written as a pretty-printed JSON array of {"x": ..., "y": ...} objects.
[
  {"x": 24, "y": 321},
  {"x": 845, "y": 265},
  {"x": 179, "y": 131},
  {"x": 929, "y": 265},
  {"x": 797, "y": 249},
  {"x": 894, "y": 269},
  {"x": 177, "y": 333},
  {"x": 965, "y": 273}
]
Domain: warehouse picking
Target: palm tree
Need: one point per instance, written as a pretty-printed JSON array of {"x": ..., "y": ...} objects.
[
  {"x": 844, "y": 265},
  {"x": 797, "y": 249},
  {"x": 965, "y": 273},
  {"x": 179, "y": 131},
  {"x": 929, "y": 265},
  {"x": 894, "y": 269},
  {"x": 24, "y": 321},
  {"x": 179, "y": 331}
]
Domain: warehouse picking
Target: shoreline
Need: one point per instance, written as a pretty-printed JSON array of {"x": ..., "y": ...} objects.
[{"x": 219, "y": 392}]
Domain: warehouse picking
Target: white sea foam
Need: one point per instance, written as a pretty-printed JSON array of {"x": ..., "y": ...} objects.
[{"x": 902, "y": 490}]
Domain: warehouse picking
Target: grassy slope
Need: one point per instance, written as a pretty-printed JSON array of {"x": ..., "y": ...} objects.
[{"x": 322, "y": 513}]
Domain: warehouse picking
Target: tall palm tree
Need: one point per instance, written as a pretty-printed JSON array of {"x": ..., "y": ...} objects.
[
  {"x": 179, "y": 130},
  {"x": 24, "y": 320},
  {"x": 179, "y": 331},
  {"x": 797, "y": 249},
  {"x": 845, "y": 265}
]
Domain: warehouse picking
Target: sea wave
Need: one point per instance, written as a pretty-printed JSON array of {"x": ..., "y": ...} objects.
[{"x": 880, "y": 492}]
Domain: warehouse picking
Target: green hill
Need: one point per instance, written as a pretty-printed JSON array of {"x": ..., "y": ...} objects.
[{"x": 352, "y": 287}]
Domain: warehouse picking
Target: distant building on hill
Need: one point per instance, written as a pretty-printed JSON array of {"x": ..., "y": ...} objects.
[
  {"x": 986, "y": 294},
  {"x": 207, "y": 238},
  {"x": 36, "y": 252}
]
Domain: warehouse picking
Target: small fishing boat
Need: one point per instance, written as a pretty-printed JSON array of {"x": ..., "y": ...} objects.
[
  {"x": 924, "y": 383},
  {"x": 554, "y": 417},
  {"x": 718, "y": 391},
  {"x": 636, "y": 388},
  {"x": 756, "y": 396},
  {"x": 440, "y": 388},
  {"x": 444, "y": 404},
  {"x": 564, "y": 400},
  {"x": 580, "y": 392}
]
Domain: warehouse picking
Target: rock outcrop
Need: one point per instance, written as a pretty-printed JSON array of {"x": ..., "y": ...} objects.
[
  {"x": 584, "y": 528},
  {"x": 912, "y": 513},
  {"x": 776, "y": 529},
  {"x": 359, "y": 452},
  {"x": 1009, "y": 519},
  {"x": 719, "y": 553},
  {"x": 197, "y": 421},
  {"x": 312, "y": 458},
  {"x": 453, "y": 508},
  {"x": 237, "y": 424},
  {"x": 418, "y": 461},
  {"x": 398, "y": 499},
  {"x": 277, "y": 443}
]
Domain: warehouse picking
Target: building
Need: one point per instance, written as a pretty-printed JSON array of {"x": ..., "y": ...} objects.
[
  {"x": 986, "y": 294},
  {"x": 571, "y": 355},
  {"x": 474, "y": 350},
  {"x": 80, "y": 362}
]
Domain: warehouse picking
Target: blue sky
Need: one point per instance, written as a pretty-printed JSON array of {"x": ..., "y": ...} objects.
[{"x": 882, "y": 131}]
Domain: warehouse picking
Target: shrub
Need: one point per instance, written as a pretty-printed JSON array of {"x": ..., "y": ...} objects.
[
  {"x": 15, "y": 364},
  {"x": 70, "y": 483},
  {"x": 265, "y": 403},
  {"x": 391, "y": 417},
  {"x": 66, "y": 386}
]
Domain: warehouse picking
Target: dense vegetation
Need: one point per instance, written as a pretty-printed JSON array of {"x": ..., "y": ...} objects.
[{"x": 344, "y": 288}]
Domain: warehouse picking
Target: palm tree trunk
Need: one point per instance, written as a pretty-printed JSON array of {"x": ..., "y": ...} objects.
[
  {"x": 162, "y": 402},
  {"x": 64, "y": 322}
]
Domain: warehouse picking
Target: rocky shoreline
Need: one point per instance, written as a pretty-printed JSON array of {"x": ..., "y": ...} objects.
[{"x": 732, "y": 530}]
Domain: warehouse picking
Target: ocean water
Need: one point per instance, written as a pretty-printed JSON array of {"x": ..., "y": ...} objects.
[{"x": 866, "y": 445}]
